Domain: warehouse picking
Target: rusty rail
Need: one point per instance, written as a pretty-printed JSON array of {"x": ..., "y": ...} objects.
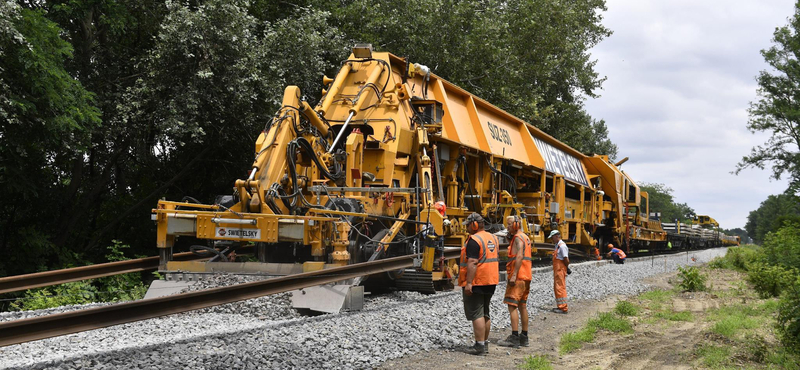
[
  {"x": 37, "y": 280},
  {"x": 26, "y": 330}
]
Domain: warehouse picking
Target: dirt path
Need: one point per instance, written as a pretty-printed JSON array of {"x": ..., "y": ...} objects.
[{"x": 655, "y": 344}]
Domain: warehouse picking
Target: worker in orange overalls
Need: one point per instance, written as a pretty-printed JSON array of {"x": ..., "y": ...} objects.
[
  {"x": 478, "y": 276},
  {"x": 560, "y": 271},
  {"x": 518, "y": 270},
  {"x": 596, "y": 253}
]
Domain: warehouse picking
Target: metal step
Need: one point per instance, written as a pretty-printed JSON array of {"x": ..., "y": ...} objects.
[{"x": 416, "y": 281}]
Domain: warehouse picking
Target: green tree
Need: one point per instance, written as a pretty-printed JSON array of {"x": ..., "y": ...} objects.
[
  {"x": 777, "y": 110},
  {"x": 46, "y": 117},
  {"x": 530, "y": 58},
  {"x": 771, "y": 215},
  {"x": 662, "y": 200}
]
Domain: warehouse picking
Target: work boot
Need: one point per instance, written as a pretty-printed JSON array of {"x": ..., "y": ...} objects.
[
  {"x": 523, "y": 340},
  {"x": 513, "y": 341},
  {"x": 478, "y": 350}
]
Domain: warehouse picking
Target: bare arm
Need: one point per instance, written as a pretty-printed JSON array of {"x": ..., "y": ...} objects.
[
  {"x": 566, "y": 261},
  {"x": 517, "y": 261},
  {"x": 472, "y": 269}
]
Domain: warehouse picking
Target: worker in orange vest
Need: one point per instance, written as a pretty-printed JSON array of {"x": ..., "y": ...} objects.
[
  {"x": 617, "y": 254},
  {"x": 560, "y": 271},
  {"x": 479, "y": 275},
  {"x": 518, "y": 270},
  {"x": 596, "y": 253}
]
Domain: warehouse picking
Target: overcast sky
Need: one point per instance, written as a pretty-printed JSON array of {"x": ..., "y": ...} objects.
[{"x": 680, "y": 77}]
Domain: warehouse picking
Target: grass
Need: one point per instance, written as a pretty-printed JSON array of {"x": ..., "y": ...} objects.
[
  {"x": 657, "y": 298},
  {"x": 604, "y": 321},
  {"x": 611, "y": 322},
  {"x": 730, "y": 326},
  {"x": 744, "y": 323},
  {"x": 732, "y": 320},
  {"x": 575, "y": 340},
  {"x": 536, "y": 363},
  {"x": 625, "y": 308},
  {"x": 714, "y": 356},
  {"x": 769, "y": 306},
  {"x": 675, "y": 315}
]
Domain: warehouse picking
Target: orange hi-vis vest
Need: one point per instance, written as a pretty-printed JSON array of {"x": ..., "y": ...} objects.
[
  {"x": 524, "y": 273},
  {"x": 488, "y": 272},
  {"x": 620, "y": 252}
]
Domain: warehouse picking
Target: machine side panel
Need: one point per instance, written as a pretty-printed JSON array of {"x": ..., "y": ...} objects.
[{"x": 562, "y": 163}]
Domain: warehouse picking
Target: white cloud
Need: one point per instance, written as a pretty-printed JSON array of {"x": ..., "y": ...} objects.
[{"x": 681, "y": 75}]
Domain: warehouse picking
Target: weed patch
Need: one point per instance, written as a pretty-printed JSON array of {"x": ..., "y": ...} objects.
[
  {"x": 731, "y": 320},
  {"x": 611, "y": 322},
  {"x": 536, "y": 363},
  {"x": 675, "y": 316},
  {"x": 657, "y": 296},
  {"x": 691, "y": 279},
  {"x": 575, "y": 340},
  {"x": 625, "y": 308},
  {"x": 714, "y": 356}
]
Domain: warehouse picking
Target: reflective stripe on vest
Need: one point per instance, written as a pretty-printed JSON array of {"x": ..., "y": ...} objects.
[
  {"x": 524, "y": 273},
  {"x": 487, "y": 271}
]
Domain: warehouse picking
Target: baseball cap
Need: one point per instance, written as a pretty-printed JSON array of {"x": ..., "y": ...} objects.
[
  {"x": 473, "y": 217},
  {"x": 553, "y": 233}
]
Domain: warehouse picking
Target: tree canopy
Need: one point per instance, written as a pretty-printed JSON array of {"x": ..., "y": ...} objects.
[
  {"x": 777, "y": 110},
  {"x": 106, "y": 106},
  {"x": 661, "y": 200},
  {"x": 771, "y": 215}
]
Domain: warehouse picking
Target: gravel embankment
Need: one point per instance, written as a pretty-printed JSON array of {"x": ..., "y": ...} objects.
[{"x": 265, "y": 334}]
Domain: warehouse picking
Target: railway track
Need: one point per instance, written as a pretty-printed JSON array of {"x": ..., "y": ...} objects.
[
  {"x": 25, "y": 330},
  {"x": 41, "y": 279}
]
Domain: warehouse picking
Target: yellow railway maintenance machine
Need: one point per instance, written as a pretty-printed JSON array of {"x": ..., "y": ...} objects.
[
  {"x": 625, "y": 210},
  {"x": 388, "y": 163}
]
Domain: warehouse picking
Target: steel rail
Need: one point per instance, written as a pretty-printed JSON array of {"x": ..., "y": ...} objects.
[
  {"x": 40, "y": 279},
  {"x": 26, "y": 330}
]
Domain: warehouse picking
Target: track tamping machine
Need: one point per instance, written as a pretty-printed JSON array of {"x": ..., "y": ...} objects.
[{"x": 387, "y": 164}]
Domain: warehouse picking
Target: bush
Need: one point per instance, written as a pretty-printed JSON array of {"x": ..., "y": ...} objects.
[
  {"x": 721, "y": 263},
  {"x": 769, "y": 281},
  {"x": 79, "y": 292},
  {"x": 738, "y": 258},
  {"x": 789, "y": 316},
  {"x": 625, "y": 308},
  {"x": 125, "y": 287},
  {"x": 691, "y": 279},
  {"x": 742, "y": 257},
  {"x": 782, "y": 247}
]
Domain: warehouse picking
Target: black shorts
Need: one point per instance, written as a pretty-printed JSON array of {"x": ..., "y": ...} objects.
[{"x": 476, "y": 305}]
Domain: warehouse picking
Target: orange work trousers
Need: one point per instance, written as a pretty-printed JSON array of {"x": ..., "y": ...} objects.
[{"x": 560, "y": 283}]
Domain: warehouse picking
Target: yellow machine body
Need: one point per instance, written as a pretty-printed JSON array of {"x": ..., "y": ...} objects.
[{"x": 364, "y": 175}]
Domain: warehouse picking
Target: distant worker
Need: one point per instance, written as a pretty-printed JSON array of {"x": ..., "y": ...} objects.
[
  {"x": 617, "y": 254},
  {"x": 669, "y": 245},
  {"x": 518, "y": 288},
  {"x": 478, "y": 276},
  {"x": 560, "y": 271},
  {"x": 596, "y": 253}
]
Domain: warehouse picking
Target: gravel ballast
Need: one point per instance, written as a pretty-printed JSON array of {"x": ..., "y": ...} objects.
[{"x": 265, "y": 333}]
